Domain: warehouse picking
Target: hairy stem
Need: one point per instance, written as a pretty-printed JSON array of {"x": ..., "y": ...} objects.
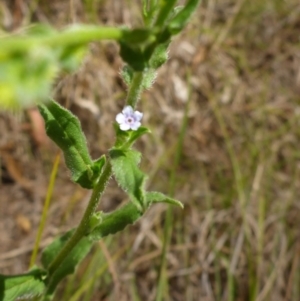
[
  {"x": 135, "y": 89},
  {"x": 83, "y": 227}
]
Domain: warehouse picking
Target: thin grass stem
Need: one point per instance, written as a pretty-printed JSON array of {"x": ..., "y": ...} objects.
[{"x": 45, "y": 210}]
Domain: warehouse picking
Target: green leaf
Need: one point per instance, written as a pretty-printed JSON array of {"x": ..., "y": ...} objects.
[
  {"x": 116, "y": 221},
  {"x": 71, "y": 57},
  {"x": 121, "y": 136},
  {"x": 134, "y": 135},
  {"x": 127, "y": 74},
  {"x": 26, "y": 74},
  {"x": 125, "y": 139},
  {"x": 159, "y": 55},
  {"x": 95, "y": 220},
  {"x": 25, "y": 78},
  {"x": 39, "y": 30},
  {"x": 133, "y": 56},
  {"x": 137, "y": 36},
  {"x": 183, "y": 15},
  {"x": 65, "y": 130},
  {"x": 158, "y": 197},
  {"x": 23, "y": 286},
  {"x": 98, "y": 165},
  {"x": 68, "y": 266},
  {"x": 166, "y": 7},
  {"x": 128, "y": 175},
  {"x": 145, "y": 12},
  {"x": 148, "y": 78},
  {"x": 150, "y": 10}
]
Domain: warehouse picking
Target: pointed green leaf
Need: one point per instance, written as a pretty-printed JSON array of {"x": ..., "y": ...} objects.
[
  {"x": 145, "y": 12},
  {"x": 178, "y": 22},
  {"x": 125, "y": 139},
  {"x": 65, "y": 130},
  {"x": 133, "y": 56},
  {"x": 150, "y": 10},
  {"x": 23, "y": 286},
  {"x": 116, "y": 221},
  {"x": 97, "y": 166},
  {"x": 127, "y": 74},
  {"x": 148, "y": 78},
  {"x": 158, "y": 197},
  {"x": 166, "y": 7},
  {"x": 159, "y": 55},
  {"x": 71, "y": 57},
  {"x": 137, "y": 36},
  {"x": 68, "y": 266},
  {"x": 25, "y": 78},
  {"x": 128, "y": 175},
  {"x": 134, "y": 135}
]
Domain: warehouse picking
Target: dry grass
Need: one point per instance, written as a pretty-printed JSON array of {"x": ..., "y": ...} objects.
[{"x": 238, "y": 236}]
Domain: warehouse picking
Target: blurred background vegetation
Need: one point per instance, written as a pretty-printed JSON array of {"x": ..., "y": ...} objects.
[{"x": 224, "y": 114}]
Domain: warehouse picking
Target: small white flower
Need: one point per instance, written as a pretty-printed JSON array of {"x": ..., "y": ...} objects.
[{"x": 129, "y": 119}]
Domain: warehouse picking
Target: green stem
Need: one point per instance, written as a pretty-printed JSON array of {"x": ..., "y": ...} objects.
[
  {"x": 135, "y": 89},
  {"x": 83, "y": 227},
  {"x": 72, "y": 35},
  {"x": 167, "y": 6},
  {"x": 132, "y": 98}
]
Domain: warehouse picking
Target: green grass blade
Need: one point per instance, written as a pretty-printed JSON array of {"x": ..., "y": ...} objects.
[{"x": 45, "y": 210}]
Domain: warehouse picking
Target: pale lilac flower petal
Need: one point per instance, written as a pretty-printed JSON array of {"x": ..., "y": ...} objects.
[
  {"x": 124, "y": 127},
  {"x": 136, "y": 125},
  {"x": 129, "y": 119},
  {"x": 138, "y": 115},
  {"x": 127, "y": 110},
  {"x": 120, "y": 118}
]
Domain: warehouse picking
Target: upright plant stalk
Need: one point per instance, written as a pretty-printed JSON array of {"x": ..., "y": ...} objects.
[
  {"x": 135, "y": 89},
  {"x": 142, "y": 49},
  {"x": 132, "y": 99},
  {"x": 84, "y": 223}
]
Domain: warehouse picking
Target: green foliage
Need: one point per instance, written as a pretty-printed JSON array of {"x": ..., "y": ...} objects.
[
  {"x": 23, "y": 286},
  {"x": 71, "y": 56},
  {"x": 146, "y": 58},
  {"x": 128, "y": 175},
  {"x": 125, "y": 139},
  {"x": 27, "y": 73},
  {"x": 158, "y": 197},
  {"x": 132, "y": 179},
  {"x": 159, "y": 56},
  {"x": 182, "y": 16},
  {"x": 65, "y": 130},
  {"x": 116, "y": 221},
  {"x": 133, "y": 56},
  {"x": 166, "y": 7},
  {"x": 26, "y": 77},
  {"x": 150, "y": 9},
  {"x": 148, "y": 78},
  {"x": 137, "y": 36},
  {"x": 28, "y": 66},
  {"x": 68, "y": 266}
]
